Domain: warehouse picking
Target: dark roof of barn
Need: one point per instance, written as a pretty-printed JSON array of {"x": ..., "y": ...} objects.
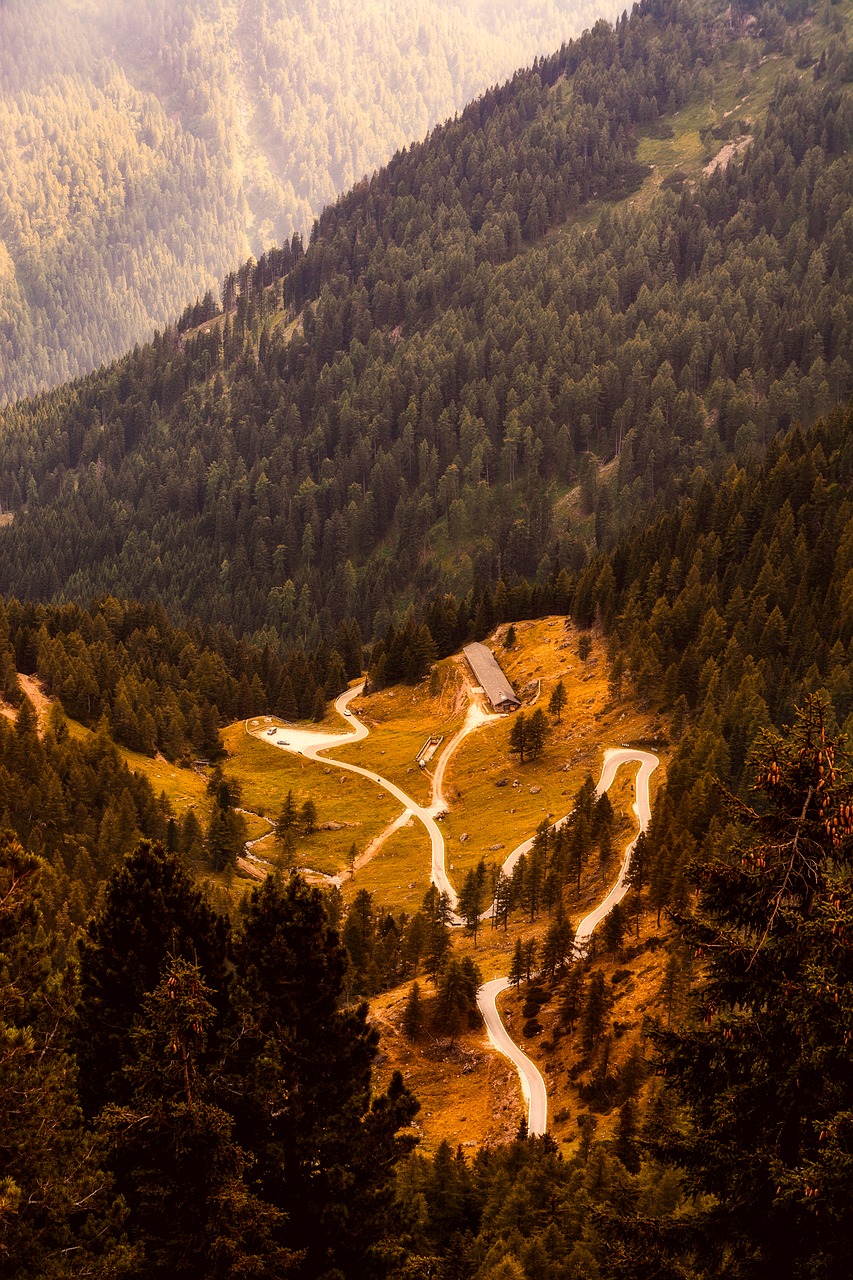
[{"x": 488, "y": 673}]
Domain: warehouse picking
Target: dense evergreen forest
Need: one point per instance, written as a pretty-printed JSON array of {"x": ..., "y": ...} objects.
[
  {"x": 147, "y": 148},
  {"x": 461, "y": 359},
  {"x": 489, "y": 388},
  {"x": 190, "y": 1031}
]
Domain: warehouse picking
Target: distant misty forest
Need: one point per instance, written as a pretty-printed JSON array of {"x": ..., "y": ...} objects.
[{"x": 148, "y": 146}]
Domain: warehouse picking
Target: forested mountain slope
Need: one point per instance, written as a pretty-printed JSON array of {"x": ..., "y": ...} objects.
[
  {"x": 477, "y": 334},
  {"x": 519, "y": 367},
  {"x": 728, "y": 611},
  {"x": 147, "y": 148},
  {"x": 182, "y": 1016}
]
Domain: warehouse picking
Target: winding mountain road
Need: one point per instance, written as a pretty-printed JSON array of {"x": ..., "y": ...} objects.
[
  {"x": 532, "y": 1083},
  {"x": 311, "y": 744}
]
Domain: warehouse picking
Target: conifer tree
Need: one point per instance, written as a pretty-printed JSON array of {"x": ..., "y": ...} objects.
[
  {"x": 516, "y": 968},
  {"x": 518, "y": 735},
  {"x": 572, "y": 997},
  {"x": 537, "y": 728},
  {"x": 436, "y": 911},
  {"x": 456, "y": 995},
  {"x": 286, "y": 704},
  {"x": 613, "y": 928},
  {"x": 595, "y": 1014},
  {"x": 625, "y": 1145},
  {"x": 336, "y": 679},
  {"x": 557, "y": 701},
  {"x": 413, "y": 1013},
  {"x": 225, "y": 838},
  {"x": 765, "y": 1071},
  {"x": 308, "y": 817},
  {"x": 471, "y": 899},
  {"x": 150, "y": 911},
  {"x": 58, "y": 1214},
  {"x": 300, "y": 1080},
  {"x": 287, "y": 819},
  {"x": 173, "y": 1152},
  {"x": 502, "y": 901}
]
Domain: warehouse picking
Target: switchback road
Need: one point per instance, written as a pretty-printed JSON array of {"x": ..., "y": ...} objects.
[
  {"x": 532, "y": 1083},
  {"x": 311, "y": 744}
]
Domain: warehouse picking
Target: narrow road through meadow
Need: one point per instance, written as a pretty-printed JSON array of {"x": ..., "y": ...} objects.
[
  {"x": 532, "y": 1083},
  {"x": 311, "y": 744}
]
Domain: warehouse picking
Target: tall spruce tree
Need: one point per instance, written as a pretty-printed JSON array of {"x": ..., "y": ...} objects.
[
  {"x": 150, "y": 911},
  {"x": 300, "y": 1082},
  {"x": 58, "y": 1213},
  {"x": 765, "y": 1072},
  {"x": 173, "y": 1152}
]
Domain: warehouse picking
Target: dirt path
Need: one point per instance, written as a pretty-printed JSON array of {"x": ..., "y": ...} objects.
[
  {"x": 532, "y": 1083},
  {"x": 31, "y": 688},
  {"x": 310, "y": 744},
  {"x": 475, "y": 717}
]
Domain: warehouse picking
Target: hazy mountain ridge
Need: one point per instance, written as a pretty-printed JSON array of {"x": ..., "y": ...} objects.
[
  {"x": 146, "y": 149},
  {"x": 464, "y": 359}
]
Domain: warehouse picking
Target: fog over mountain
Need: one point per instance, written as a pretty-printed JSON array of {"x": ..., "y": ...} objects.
[{"x": 146, "y": 148}]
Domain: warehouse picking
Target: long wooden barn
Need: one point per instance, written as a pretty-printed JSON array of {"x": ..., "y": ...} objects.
[{"x": 487, "y": 672}]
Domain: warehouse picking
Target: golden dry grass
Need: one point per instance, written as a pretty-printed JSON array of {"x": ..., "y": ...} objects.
[
  {"x": 546, "y": 651},
  {"x": 468, "y": 1093},
  {"x": 184, "y": 788},
  {"x": 267, "y": 773},
  {"x": 636, "y": 999},
  {"x": 398, "y": 874},
  {"x": 400, "y": 719}
]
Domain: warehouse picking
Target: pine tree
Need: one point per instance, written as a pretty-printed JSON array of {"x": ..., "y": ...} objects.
[
  {"x": 308, "y": 817},
  {"x": 626, "y": 1146},
  {"x": 557, "y": 701},
  {"x": 413, "y": 1013},
  {"x": 613, "y": 928},
  {"x": 516, "y": 968},
  {"x": 537, "y": 729},
  {"x": 336, "y": 677},
  {"x": 471, "y": 900},
  {"x": 518, "y": 735},
  {"x": 765, "y": 1073},
  {"x": 58, "y": 1216},
  {"x": 557, "y": 947},
  {"x": 150, "y": 911},
  {"x": 225, "y": 838},
  {"x": 173, "y": 1151},
  {"x": 502, "y": 901},
  {"x": 595, "y": 1014},
  {"x": 286, "y": 704},
  {"x": 287, "y": 819},
  {"x": 572, "y": 997},
  {"x": 456, "y": 995},
  {"x": 436, "y": 910},
  {"x": 191, "y": 836},
  {"x": 300, "y": 1080}
]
